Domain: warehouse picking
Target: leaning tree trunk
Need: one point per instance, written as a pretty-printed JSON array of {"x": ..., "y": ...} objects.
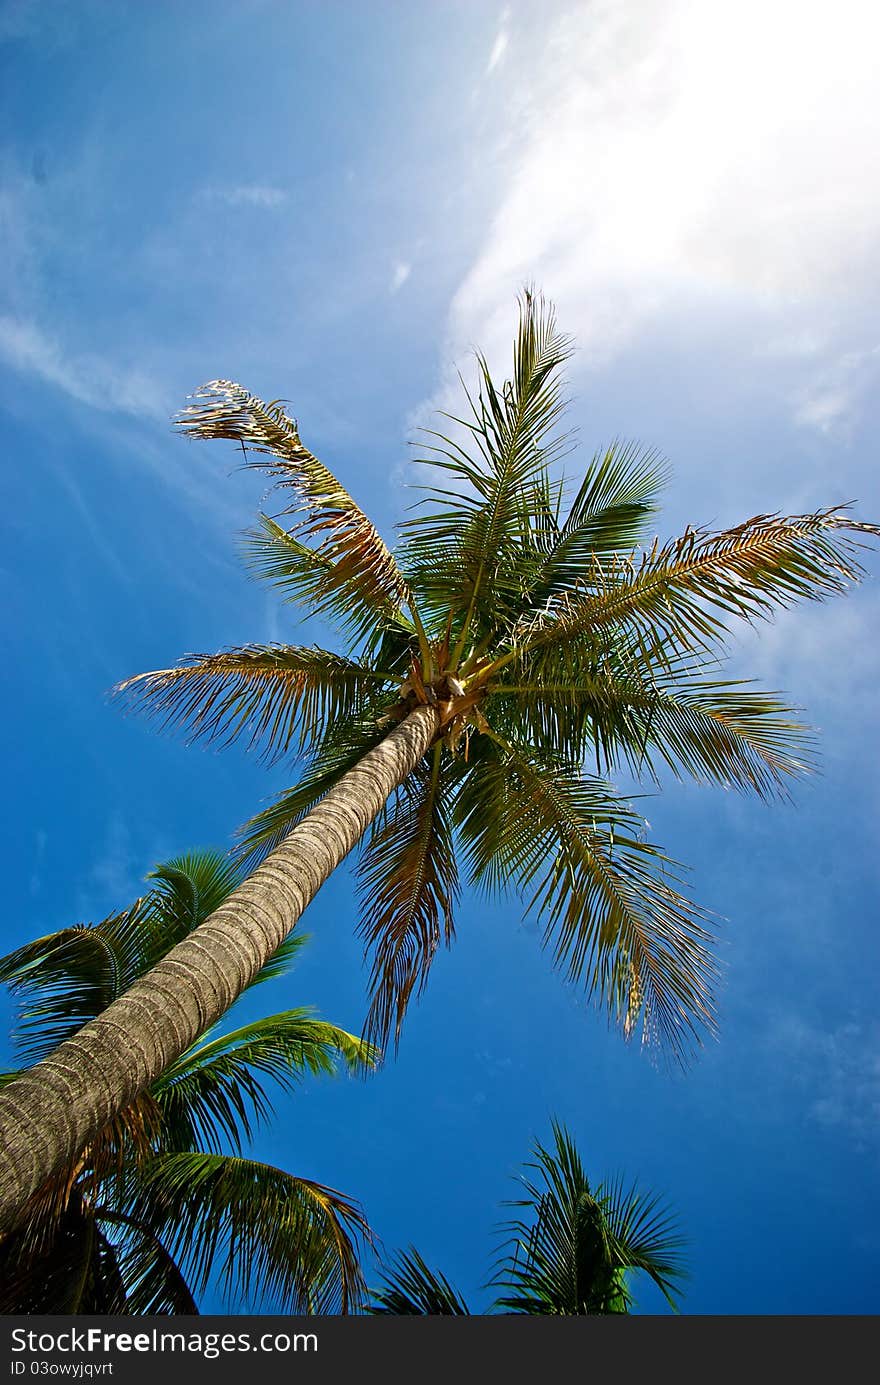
[{"x": 50, "y": 1113}]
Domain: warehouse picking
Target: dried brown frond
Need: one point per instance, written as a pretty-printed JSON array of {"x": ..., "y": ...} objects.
[{"x": 358, "y": 557}]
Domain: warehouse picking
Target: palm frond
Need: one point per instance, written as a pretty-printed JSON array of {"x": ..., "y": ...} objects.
[
  {"x": 627, "y": 715},
  {"x": 267, "y": 1232},
  {"x": 606, "y": 898},
  {"x": 464, "y": 551},
  {"x": 572, "y": 1251},
  {"x": 64, "y": 979},
  {"x": 353, "y": 558},
  {"x": 217, "y": 1091},
  {"x": 646, "y": 1235},
  {"x": 188, "y": 888},
  {"x": 408, "y": 884},
  {"x": 276, "y": 697},
  {"x": 74, "y": 1270},
  {"x": 153, "y": 1281},
  {"x": 607, "y": 516},
  {"x": 310, "y": 581},
  {"x": 684, "y": 593},
  {"x": 410, "y": 1287}
]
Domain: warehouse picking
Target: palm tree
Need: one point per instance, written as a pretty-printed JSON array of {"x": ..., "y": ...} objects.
[
  {"x": 513, "y": 638},
  {"x": 572, "y": 1251},
  {"x": 156, "y": 1206}
]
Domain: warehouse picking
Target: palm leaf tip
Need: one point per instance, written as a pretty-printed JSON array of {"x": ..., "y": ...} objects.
[
  {"x": 355, "y": 555},
  {"x": 685, "y": 592},
  {"x": 461, "y": 554},
  {"x": 266, "y": 1231},
  {"x": 612, "y": 917},
  {"x": 410, "y": 1287},
  {"x": 274, "y": 697},
  {"x": 408, "y": 885},
  {"x": 219, "y": 1090}
]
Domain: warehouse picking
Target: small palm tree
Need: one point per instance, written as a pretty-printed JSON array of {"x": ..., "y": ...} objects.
[
  {"x": 514, "y": 652},
  {"x": 572, "y": 1251},
  {"x": 156, "y": 1207}
]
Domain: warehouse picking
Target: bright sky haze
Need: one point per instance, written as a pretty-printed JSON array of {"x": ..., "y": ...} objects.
[{"x": 334, "y": 204}]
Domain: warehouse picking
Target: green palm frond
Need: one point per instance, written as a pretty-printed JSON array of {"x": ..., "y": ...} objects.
[
  {"x": 646, "y": 1234},
  {"x": 684, "y": 593},
  {"x": 64, "y": 979},
  {"x": 460, "y": 550},
  {"x": 266, "y": 1232},
  {"x": 75, "y": 1269},
  {"x": 617, "y": 496},
  {"x": 216, "y": 1092},
  {"x": 154, "y": 1283},
  {"x": 308, "y": 579},
  {"x": 353, "y": 559},
  {"x": 572, "y": 1251},
  {"x": 608, "y": 515},
  {"x": 275, "y": 696},
  {"x": 188, "y": 888},
  {"x": 408, "y": 884},
  {"x": 410, "y": 1287},
  {"x": 606, "y": 898},
  {"x": 628, "y": 716}
]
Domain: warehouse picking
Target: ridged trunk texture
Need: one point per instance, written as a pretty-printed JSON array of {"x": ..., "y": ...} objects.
[{"x": 50, "y": 1113}]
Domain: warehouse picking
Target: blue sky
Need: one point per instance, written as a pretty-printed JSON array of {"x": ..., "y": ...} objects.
[{"x": 334, "y": 203}]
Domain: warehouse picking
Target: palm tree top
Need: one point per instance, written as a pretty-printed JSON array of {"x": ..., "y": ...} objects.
[
  {"x": 556, "y": 653},
  {"x": 573, "y": 1246},
  {"x": 572, "y": 1250}
]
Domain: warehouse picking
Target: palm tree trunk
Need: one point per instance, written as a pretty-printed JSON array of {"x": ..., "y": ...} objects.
[{"x": 57, "y": 1107}]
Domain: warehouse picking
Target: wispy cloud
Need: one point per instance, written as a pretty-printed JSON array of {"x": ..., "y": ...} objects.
[
  {"x": 246, "y": 195},
  {"x": 838, "y": 1070},
  {"x": 499, "y": 47},
  {"x": 86, "y": 377},
  {"x": 402, "y": 271},
  {"x": 828, "y": 655},
  {"x": 832, "y": 398}
]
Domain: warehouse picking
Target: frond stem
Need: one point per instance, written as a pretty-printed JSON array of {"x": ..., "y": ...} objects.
[{"x": 424, "y": 645}]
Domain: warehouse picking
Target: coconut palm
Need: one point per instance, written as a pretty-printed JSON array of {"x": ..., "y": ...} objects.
[
  {"x": 162, "y": 1201},
  {"x": 572, "y": 1250},
  {"x": 512, "y": 653}
]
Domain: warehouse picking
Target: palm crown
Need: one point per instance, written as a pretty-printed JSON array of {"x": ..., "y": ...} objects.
[
  {"x": 572, "y": 1250},
  {"x": 163, "y": 1202},
  {"x": 555, "y": 654}
]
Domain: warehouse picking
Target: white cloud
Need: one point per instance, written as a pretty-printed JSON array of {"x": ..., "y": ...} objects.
[
  {"x": 678, "y": 157},
  {"x": 87, "y": 378},
  {"x": 247, "y": 195},
  {"x": 826, "y": 654},
  {"x": 402, "y": 271},
  {"x": 823, "y": 408},
  {"x": 499, "y": 47},
  {"x": 113, "y": 880},
  {"x": 831, "y": 399},
  {"x": 839, "y": 1071}
]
